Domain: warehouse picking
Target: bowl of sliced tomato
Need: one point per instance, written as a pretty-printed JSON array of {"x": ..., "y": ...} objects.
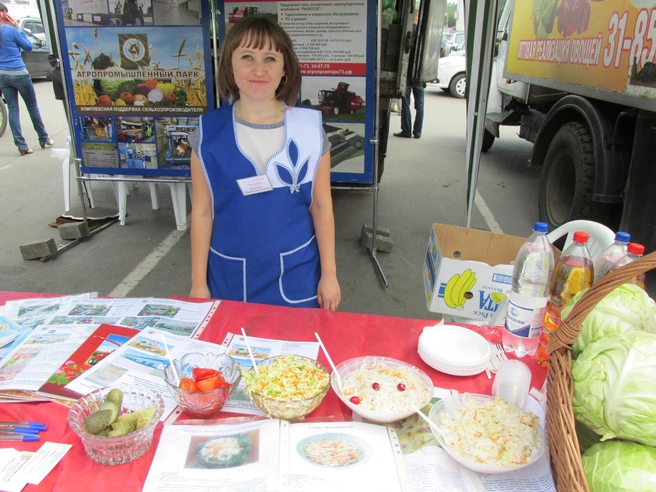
[{"x": 202, "y": 383}]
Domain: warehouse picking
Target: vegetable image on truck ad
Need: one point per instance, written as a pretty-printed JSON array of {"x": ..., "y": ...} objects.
[{"x": 610, "y": 43}]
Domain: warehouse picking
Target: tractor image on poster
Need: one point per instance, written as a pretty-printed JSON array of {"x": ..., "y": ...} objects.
[{"x": 339, "y": 101}]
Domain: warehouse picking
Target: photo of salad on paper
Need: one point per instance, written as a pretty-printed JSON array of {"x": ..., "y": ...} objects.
[
  {"x": 334, "y": 450},
  {"x": 223, "y": 451}
]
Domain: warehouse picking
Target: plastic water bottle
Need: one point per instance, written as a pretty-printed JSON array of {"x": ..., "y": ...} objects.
[
  {"x": 528, "y": 295},
  {"x": 633, "y": 252},
  {"x": 611, "y": 255},
  {"x": 573, "y": 272}
]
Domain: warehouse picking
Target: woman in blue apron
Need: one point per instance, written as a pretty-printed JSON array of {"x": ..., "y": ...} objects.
[{"x": 262, "y": 226}]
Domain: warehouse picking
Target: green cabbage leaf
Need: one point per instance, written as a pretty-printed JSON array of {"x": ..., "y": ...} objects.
[
  {"x": 620, "y": 466},
  {"x": 614, "y": 387},
  {"x": 626, "y": 308}
]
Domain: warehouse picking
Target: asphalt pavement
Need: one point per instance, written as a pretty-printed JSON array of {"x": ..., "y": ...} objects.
[{"x": 424, "y": 182}]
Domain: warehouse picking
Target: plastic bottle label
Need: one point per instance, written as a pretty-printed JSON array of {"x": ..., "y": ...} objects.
[{"x": 525, "y": 315}]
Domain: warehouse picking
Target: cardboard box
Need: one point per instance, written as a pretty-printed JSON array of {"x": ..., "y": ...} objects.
[{"x": 467, "y": 272}]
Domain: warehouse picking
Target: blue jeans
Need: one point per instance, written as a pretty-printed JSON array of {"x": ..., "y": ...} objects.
[
  {"x": 406, "y": 117},
  {"x": 11, "y": 86}
]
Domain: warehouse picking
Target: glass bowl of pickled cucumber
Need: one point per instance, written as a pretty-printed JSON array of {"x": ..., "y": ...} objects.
[{"x": 116, "y": 423}]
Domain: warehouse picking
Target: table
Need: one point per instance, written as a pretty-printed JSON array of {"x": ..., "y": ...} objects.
[{"x": 345, "y": 335}]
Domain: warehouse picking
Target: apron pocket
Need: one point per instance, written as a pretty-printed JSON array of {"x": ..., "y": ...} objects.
[
  {"x": 299, "y": 273},
  {"x": 227, "y": 276}
]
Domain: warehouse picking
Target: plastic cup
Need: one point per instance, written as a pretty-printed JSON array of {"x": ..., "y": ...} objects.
[{"x": 512, "y": 382}]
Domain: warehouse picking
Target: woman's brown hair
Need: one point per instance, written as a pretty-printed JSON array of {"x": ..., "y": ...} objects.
[{"x": 259, "y": 32}]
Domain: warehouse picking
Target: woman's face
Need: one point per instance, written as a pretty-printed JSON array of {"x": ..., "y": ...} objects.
[{"x": 257, "y": 72}]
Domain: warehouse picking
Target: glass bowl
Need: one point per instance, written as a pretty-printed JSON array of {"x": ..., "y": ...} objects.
[
  {"x": 451, "y": 404},
  {"x": 202, "y": 405},
  {"x": 385, "y": 403},
  {"x": 287, "y": 408},
  {"x": 121, "y": 449}
]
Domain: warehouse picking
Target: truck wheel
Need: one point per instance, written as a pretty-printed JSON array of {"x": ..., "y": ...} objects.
[
  {"x": 567, "y": 179},
  {"x": 458, "y": 86},
  {"x": 488, "y": 140}
]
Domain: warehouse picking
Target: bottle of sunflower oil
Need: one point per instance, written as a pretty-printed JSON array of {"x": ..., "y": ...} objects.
[{"x": 574, "y": 271}]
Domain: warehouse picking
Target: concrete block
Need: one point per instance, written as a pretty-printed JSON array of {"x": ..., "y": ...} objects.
[
  {"x": 382, "y": 231},
  {"x": 383, "y": 243},
  {"x": 73, "y": 230},
  {"x": 38, "y": 249}
]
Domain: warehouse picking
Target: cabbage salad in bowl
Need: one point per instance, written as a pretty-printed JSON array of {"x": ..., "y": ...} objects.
[{"x": 487, "y": 434}]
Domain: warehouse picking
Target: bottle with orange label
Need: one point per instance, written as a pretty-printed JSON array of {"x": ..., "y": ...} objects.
[{"x": 574, "y": 271}]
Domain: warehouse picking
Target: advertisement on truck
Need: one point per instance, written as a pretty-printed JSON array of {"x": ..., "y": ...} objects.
[{"x": 604, "y": 45}]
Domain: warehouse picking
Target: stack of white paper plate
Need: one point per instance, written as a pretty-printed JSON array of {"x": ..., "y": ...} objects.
[{"x": 454, "y": 350}]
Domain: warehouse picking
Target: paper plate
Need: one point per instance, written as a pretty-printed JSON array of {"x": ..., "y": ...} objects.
[{"x": 454, "y": 350}]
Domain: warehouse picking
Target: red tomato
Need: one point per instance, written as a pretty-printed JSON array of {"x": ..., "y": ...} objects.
[
  {"x": 208, "y": 384},
  {"x": 201, "y": 373},
  {"x": 189, "y": 385}
]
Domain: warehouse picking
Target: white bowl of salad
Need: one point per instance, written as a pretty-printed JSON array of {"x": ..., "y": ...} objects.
[
  {"x": 487, "y": 434},
  {"x": 382, "y": 389}
]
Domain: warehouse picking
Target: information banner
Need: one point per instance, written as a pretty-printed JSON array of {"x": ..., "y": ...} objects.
[
  {"x": 599, "y": 44},
  {"x": 137, "y": 76},
  {"x": 335, "y": 44}
]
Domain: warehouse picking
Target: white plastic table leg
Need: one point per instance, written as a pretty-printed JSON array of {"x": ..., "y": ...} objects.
[
  {"x": 154, "y": 199},
  {"x": 122, "y": 199},
  {"x": 179, "y": 198}
]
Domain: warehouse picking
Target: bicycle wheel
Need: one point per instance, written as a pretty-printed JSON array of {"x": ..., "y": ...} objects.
[{"x": 3, "y": 117}]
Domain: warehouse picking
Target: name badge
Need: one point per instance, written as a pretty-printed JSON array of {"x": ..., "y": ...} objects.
[{"x": 256, "y": 184}]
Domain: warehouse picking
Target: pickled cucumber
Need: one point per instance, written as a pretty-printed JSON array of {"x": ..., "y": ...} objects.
[
  {"x": 121, "y": 429},
  {"x": 145, "y": 416},
  {"x": 110, "y": 405},
  {"x": 97, "y": 421},
  {"x": 115, "y": 395}
]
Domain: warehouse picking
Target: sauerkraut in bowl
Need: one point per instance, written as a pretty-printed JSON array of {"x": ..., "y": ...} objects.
[
  {"x": 382, "y": 389},
  {"x": 487, "y": 434}
]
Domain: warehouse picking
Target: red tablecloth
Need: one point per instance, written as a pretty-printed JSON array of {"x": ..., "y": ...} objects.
[{"x": 345, "y": 335}]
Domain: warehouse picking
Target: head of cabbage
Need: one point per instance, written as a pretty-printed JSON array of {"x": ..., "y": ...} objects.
[
  {"x": 614, "y": 387},
  {"x": 625, "y": 308},
  {"x": 621, "y": 466}
]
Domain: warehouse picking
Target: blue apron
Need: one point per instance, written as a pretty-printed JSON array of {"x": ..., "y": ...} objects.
[{"x": 263, "y": 247}]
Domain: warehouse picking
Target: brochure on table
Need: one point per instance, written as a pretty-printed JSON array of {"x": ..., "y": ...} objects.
[
  {"x": 141, "y": 362},
  {"x": 262, "y": 348},
  {"x": 272, "y": 454},
  {"x": 169, "y": 315}
]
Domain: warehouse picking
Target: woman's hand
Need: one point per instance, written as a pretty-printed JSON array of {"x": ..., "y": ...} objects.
[
  {"x": 329, "y": 294},
  {"x": 10, "y": 20},
  {"x": 200, "y": 292}
]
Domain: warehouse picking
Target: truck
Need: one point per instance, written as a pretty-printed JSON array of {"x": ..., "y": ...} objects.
[
  {"x": 578, "y": 77},
  {"x": 339, "y": 100}
]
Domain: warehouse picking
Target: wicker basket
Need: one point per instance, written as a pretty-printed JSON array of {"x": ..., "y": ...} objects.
[{"x": 563, "y": 442}]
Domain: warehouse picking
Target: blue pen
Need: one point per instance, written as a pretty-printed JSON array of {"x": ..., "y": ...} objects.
[
  {"x": 35, "y": 425},
  {"x": 18, "y": 437},
  {"x": 19, "y": 430}
]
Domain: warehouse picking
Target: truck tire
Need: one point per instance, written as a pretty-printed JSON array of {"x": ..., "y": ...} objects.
[
  {"x": 458, "y": 86},
  {"x": 567, "y": 179},
  {"x": 488, "y": 140}
]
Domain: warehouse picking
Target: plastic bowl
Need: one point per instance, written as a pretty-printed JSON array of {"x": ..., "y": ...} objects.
[
  {"x": 422, "y": 392},
  {"x": 121, "y": 449},
  {"x": 450, "y": 404},
  {"x": 288, "y": 409},
  {"x": 202, "y": 405}
]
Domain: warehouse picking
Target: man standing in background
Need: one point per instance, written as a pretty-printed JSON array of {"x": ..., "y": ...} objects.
[{"x": 408, "y": 130}]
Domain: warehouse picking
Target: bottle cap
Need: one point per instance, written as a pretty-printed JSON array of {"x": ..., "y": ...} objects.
[
  {"x": 541, "y": 227},
  {"x": 581, "y": 237},
  {"x": 635, "y": 249},
  {"x": 624, "y": 237}
]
